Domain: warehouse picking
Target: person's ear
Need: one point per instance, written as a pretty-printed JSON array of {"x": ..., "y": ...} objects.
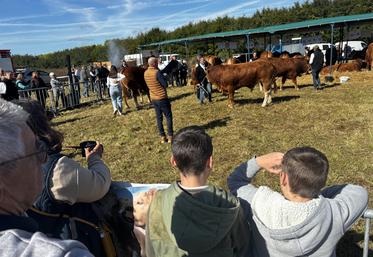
[
  {"x": 173, "y": 162},
  {"x": 210, "y": 163},
  {"x": 284, "y": 179}
]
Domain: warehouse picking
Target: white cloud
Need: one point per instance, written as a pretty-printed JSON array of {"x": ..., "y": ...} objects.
[
  {"x": 95, "y": 21},
  {"x": 228, "y": 11}
]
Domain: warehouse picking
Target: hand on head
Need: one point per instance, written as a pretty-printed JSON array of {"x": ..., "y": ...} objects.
[
  {"x": 98, "y": 149},
  {"x": 271, "y": 162}
]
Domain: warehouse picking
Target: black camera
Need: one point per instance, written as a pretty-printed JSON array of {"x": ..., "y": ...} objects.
[{"x": 87, "y": 144}]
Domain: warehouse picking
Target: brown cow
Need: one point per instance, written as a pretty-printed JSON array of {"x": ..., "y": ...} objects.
[
  {"x": 213, "y": 60},
  {"x": 355, "y": 65},
  {"x": 210, "y": 60},
  {"x": 285, "y": 55},
  {"x": 265, "y": 54},
  {"x": 232, "y": 77},
  {"x": 369, "y": 56},
  {"x": 135, "y": 81},
  {"x": 231, "y": 60},
  {"x": 288, "y": 68}
]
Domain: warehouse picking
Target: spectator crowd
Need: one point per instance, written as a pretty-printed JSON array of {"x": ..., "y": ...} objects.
[{"x": 53, "y": 206}]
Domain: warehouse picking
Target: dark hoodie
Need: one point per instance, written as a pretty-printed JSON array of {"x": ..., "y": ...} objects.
[{"x": 208, "y": 223}]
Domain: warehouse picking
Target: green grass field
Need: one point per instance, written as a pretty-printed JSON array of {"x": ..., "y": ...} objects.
[{"x": 337, "y": 120}]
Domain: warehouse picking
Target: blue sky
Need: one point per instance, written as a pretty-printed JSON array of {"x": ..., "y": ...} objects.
[{"x": 42, "y": 26}]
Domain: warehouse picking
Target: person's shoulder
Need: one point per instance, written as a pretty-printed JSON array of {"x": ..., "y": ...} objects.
[
  {"x": 65, "y": 167},
  {"x": 266, "y": 195},
  {"x": 38, "y": 242}
]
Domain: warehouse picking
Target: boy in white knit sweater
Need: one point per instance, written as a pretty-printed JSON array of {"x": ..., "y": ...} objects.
[{"x": 304, "y": 220}]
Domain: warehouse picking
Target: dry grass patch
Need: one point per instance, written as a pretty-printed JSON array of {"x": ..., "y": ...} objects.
[{"x": 337, "y": 120}]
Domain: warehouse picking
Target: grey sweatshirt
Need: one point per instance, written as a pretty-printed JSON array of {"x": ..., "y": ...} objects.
[
  {"x": 19, "y": 243},
  {"x": 282, "y": 228}
]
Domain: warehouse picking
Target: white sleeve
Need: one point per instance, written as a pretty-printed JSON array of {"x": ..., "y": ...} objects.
[
  {"x": 121, "y": 76},
  {"x": 312, "y": 57}
]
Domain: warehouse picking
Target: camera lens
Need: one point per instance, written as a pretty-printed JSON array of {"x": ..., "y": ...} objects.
[{"x": 87, "y": 144}]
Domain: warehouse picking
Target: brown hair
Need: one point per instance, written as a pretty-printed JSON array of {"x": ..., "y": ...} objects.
[
  {"x": 191, "y": 148},
  {"x": 41, "y": 126},
  {"x": 307, "y": 170},
  {"x": 113, "y": 72}
]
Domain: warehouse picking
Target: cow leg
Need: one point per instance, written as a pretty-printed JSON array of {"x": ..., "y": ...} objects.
[
  {"x": 269, "y": 98},
  {"x": 266, "y": 98},
  {"x": 274, "y": 85},
  {"x": 230, "y": 97},
  {"x": 126, "y": 101},
  {"x": 125, "y": 94},
  {"x": 136, "y": 103},
  {"x": 283, "y": 82},
  {"x": 295, "y": 83},
  {"x": 142, "y": 97},
  {"x": 260, "y": 87}
]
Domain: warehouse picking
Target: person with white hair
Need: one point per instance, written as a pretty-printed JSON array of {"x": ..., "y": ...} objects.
[
  {"x": 57, "y": 88},
  {"x": 157, "y": 87},
  {"x": 21, "y": 157}
]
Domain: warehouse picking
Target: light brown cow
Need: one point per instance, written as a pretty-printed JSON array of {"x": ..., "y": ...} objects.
[
  {"x": 355, "y": 65},
  {"x": 369, "y": 56},
  {"x": 288, "y": 68},
  {"x": 213, "y": 60},
  {"x": 232, "y": 77},
  {"x": 231, "y": 60},
  {"x": 266, "y": 54}
]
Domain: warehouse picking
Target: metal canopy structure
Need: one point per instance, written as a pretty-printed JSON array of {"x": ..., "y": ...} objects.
[{"x": 338, "y": 21}]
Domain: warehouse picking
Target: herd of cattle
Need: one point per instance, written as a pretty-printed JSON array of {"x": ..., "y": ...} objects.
[{"x": 233, "y": 74}]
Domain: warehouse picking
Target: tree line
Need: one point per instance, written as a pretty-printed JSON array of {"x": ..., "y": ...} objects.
[{"x": 315, "y": 9}]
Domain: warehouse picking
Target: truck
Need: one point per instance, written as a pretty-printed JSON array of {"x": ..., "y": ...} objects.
[
  {"x": 140, "y": 58},
  {"x": 6, "y": 63},
  {"x": 165, "y": 59}
]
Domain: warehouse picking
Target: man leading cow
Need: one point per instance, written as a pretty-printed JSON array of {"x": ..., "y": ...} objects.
[
  {"x": 317, "y": 63},
  {"x": 203, "y": 86}
]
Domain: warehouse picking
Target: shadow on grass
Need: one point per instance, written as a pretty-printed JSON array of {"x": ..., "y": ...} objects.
[
  {"x": 275, "y": 99},
  {"x": 178, "y": 97},
  {"x": 66, "y": 121},
  {"x": 216, "y": 123},
  {"x": 311, "y": 85},
  {"x": 348, "y": 245}
]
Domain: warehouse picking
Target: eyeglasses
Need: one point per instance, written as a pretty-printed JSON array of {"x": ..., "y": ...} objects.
[{"x": 41, "y": 153}]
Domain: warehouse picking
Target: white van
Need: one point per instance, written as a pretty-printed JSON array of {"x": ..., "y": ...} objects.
[
  {"x": 355, "y": 45},
  {"x": 322, "y": 46},
  {"x": 166, "y": 58}
]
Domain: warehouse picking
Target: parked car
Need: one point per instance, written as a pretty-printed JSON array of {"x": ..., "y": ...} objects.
[{"x": 27, "y": 73}]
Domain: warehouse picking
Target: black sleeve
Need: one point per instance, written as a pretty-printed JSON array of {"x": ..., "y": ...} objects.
[
  {"x": 200, "y": 74},
  {"x": 161, "y": 79}
]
